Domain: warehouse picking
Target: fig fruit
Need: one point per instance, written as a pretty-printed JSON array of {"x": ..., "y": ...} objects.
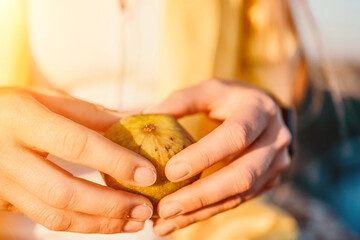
[{"x": 157, "y": 137}]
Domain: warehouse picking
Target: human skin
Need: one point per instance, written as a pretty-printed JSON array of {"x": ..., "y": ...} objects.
[
  {"x": 252, "y": 135},
  {"x": 38, "y": 122}
]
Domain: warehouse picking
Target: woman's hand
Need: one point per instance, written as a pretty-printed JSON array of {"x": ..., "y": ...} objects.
[
  {"x": 252, "y": 136},
  {"x": 34, "y": 124}
]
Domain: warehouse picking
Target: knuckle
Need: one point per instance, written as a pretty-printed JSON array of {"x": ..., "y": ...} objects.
[
  {"x": 121, "y": 169},
  {"x": 60, "y": 195},
  {"x": 245, "y": 180},
  {"x": 284, "y": 137},
  {"x": 116, "y": 209},
  {"x": 266, "y": 102},
  {"x": 203, "y": 201},
  {"x": 287, "y": 136},
  {"x": 110, "y": 226},
  {"x": 238, "y": 135},
  {"x": 271, "y": 106},
  {"x": 205, "y": 158},
  {"x": 72, "y": 144},
  {"x": 56, "y": 221}
]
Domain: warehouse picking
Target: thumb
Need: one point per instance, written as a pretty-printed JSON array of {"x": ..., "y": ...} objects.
[
  {"x": 93, "y": 116},
  {"x": 162, "y": 107},
  {"x": 185, "y": 102}
]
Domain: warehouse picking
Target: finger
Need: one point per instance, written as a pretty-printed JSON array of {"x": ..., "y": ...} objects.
[
  {"x": 271, "y": 177},
  {"x": 231, "y": 137},
  {"x": 59, "y": 189},
  {"x": 164, "y": 227},
  {"x": 63, "y": 138},
  {"x": 213, "y": 96},
  {"x": 239, "y": 176},
  {"x": 91, "y": 115},
  {"x": 260, "y": 189},
  {"x": 60, "y": 220},
  {"x": 255, "y": 193},
  {"x": 190, "y": 99}
]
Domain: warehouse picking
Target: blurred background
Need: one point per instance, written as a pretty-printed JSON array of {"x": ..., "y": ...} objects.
[
  {"x": 106, "y": 54},
  {"x": 323, "y": 188},
  {"x": 339, "y": 25}
]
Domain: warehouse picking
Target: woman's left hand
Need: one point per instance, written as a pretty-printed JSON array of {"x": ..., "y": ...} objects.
[{"x": 252, "y": 136}]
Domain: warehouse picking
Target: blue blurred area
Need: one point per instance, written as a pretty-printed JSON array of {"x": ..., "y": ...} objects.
[
  {"x": 328, "y": 162},
  {"x": 338, "y": 184}
]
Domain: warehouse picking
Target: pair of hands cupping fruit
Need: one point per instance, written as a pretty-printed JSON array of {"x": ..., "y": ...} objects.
[{"x": 35, "y": 123}]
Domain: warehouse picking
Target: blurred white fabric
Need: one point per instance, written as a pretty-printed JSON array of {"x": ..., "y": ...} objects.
[{"x": 95, "y": 51}]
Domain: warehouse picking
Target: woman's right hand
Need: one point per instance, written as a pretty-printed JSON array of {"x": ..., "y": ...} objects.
[{"x": 35, "y": 123}]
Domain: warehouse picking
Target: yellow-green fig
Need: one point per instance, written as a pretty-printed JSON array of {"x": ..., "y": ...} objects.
[{"x": 157, "y": 137}]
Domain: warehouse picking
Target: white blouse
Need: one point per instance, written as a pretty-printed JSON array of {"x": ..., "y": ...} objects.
[{"x": 99, "y": 52}]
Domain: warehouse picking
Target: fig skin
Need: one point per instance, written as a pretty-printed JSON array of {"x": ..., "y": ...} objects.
[{"x": 157, "y": 137}]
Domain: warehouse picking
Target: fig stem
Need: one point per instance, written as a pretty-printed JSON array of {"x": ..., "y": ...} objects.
[{"x": 149, "y": 128}]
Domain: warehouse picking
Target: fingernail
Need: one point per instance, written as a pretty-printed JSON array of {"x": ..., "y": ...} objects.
[
  {"x": 171, "y": 210},
  {"x": 141, "y": 212},
  {"x": 145, "y": 176},
  {"x": 165, "y": 228},
  {"x": 133, "y": 226},
  {"x": 178, "y": 170}
]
